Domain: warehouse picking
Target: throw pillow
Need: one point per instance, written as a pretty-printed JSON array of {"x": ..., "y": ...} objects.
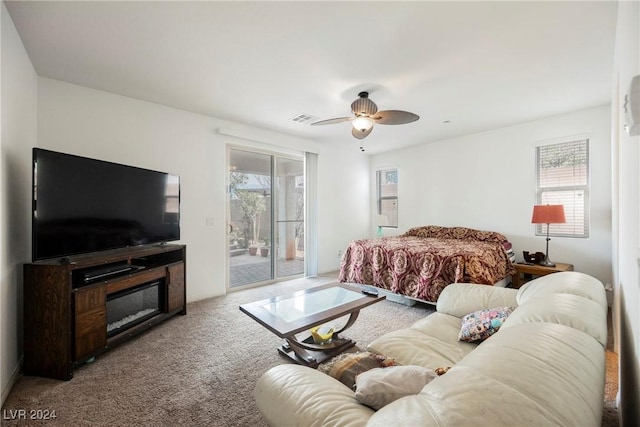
[
  {"x": 481, "y": 324},
  {"x": 379, "y": 387},
  {"x": 345, "y": 367}
]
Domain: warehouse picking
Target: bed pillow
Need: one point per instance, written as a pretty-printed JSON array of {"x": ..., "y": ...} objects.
[
  {"x": 463, "y": 233},
  {"x": 481, "y": 324},
  {"x": 380, "y": 386},
  {"x": 347, "y": 366}
]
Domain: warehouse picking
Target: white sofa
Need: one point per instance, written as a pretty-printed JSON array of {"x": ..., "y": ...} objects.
[{"x": 545, "y": 366}]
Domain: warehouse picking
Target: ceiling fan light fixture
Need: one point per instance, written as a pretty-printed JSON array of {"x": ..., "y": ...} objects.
[
  {"x": 366, "y": 114},
  {"x": 362, "y": 123},
  {"x": 363, "y": 106}
]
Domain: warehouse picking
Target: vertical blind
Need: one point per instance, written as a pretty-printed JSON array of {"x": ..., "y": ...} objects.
[
  {"x": 563, "y": 179},
  {"x": 311, "y": 214}
]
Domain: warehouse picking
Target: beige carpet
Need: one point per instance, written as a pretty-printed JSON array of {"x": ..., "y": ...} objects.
[{"x": 194, "y": 370}]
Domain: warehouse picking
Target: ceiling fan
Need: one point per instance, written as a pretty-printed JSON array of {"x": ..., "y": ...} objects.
[{"x": 366, "y": 114}]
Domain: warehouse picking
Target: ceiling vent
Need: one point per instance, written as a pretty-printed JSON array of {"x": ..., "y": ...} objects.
[{"x": 303, "y": 119}]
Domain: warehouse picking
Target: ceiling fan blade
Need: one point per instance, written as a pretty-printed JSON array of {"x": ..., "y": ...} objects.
[
  {"x": 332, "y": 121},
  {"x": 394, "y": 117},
  {"x": 360, "y": 134}
]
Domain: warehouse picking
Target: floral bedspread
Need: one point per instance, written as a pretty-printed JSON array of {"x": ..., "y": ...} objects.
[{"x": 422, "y": 261}]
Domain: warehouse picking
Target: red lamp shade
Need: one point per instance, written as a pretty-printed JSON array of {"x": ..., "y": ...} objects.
[{"x": 548, "y": 214}]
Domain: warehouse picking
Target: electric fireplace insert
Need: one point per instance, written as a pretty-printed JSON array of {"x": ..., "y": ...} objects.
[{"x": 132, "y": 306}]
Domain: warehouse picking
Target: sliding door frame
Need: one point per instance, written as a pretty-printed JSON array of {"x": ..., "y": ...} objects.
[{"x": 274, "y": 156}]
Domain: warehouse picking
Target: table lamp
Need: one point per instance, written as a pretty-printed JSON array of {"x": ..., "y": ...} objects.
[
  {"x": 548, "y": 214},
  {"x": 381, "y": 221}
]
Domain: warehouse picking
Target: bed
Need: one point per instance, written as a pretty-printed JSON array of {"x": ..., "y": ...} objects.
[{"x": 421, "y": 262}]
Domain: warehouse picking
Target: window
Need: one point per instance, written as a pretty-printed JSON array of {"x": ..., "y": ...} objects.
[
  {"x": 563, "y": 179},
  {"x": 172, "y": 194},
  {"x": 387, "y": 195}
]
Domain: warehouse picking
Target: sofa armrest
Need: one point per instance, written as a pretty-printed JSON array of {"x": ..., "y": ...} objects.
[
  {"x": 294, "y": 395},
  {"x": 460, "y": 299}
]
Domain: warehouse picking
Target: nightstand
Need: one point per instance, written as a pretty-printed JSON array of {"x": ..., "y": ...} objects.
[{"x": 531, "y": 270}]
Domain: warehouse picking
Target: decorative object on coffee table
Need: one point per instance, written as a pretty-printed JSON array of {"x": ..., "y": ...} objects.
[{"x": 322, "y": 334}]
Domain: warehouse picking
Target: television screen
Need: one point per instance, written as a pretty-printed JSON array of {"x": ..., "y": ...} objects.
[{"x": 85, "y": 205}]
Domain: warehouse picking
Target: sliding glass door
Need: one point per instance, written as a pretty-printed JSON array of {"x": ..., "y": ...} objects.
[{"x": 266, "y": 217}]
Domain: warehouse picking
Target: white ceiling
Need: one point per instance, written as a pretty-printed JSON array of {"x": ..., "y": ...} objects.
[{"x": 480, "y": 65}]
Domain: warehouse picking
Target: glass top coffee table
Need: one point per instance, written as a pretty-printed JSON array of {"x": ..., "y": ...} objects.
[{"x": 289, "y": 315}]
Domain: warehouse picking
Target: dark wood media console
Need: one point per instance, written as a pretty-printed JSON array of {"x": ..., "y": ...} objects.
[{"x": 66, "y": 303}]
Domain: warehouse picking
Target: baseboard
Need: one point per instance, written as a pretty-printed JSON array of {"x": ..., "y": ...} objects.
[{"x": 15, "y": 375}]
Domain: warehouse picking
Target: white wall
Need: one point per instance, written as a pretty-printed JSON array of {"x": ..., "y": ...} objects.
[
  {"x": 97, "y": 124},
  {"x": 343, "y": 212},
  {"x": 488, "y": 181},
  {"x": 51, "y": 114},
  {"x": 626, "y": 209},
  {"x": 19, "y": 98}
]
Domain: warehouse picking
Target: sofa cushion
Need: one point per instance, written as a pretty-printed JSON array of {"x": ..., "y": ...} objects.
[
  {"x": 459, "y": 299},
  {"x": 380, "y": 386},
  {"x": 566, "y": 309},
  {"x": 533, "y": 374},
  {"x": 481, "y": 324},
  {"x": 431, "y": 342},
  {"x": 566, "y": 282}
]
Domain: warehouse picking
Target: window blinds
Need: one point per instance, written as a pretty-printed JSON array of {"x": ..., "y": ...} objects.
[
  {"x": 387, "y": 181},
  {"x": 563, "y": 179}
]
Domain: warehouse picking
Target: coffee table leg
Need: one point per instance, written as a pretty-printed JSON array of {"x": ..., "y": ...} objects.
[
  {"x": 309, "y": 354},
  {"x": 303, "y": 356},
  {"x": 352, "y": 319}
]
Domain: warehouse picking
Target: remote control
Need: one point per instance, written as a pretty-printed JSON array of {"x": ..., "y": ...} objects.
[{"x": 370, "y": 292}]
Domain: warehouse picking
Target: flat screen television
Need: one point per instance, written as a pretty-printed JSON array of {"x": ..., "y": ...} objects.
[{"x": 83, "y": 205}]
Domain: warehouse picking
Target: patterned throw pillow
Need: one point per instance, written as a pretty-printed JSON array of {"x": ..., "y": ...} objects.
[
  {"x": 481, "y": 324},
  {"x": 347, "y": 366}
]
